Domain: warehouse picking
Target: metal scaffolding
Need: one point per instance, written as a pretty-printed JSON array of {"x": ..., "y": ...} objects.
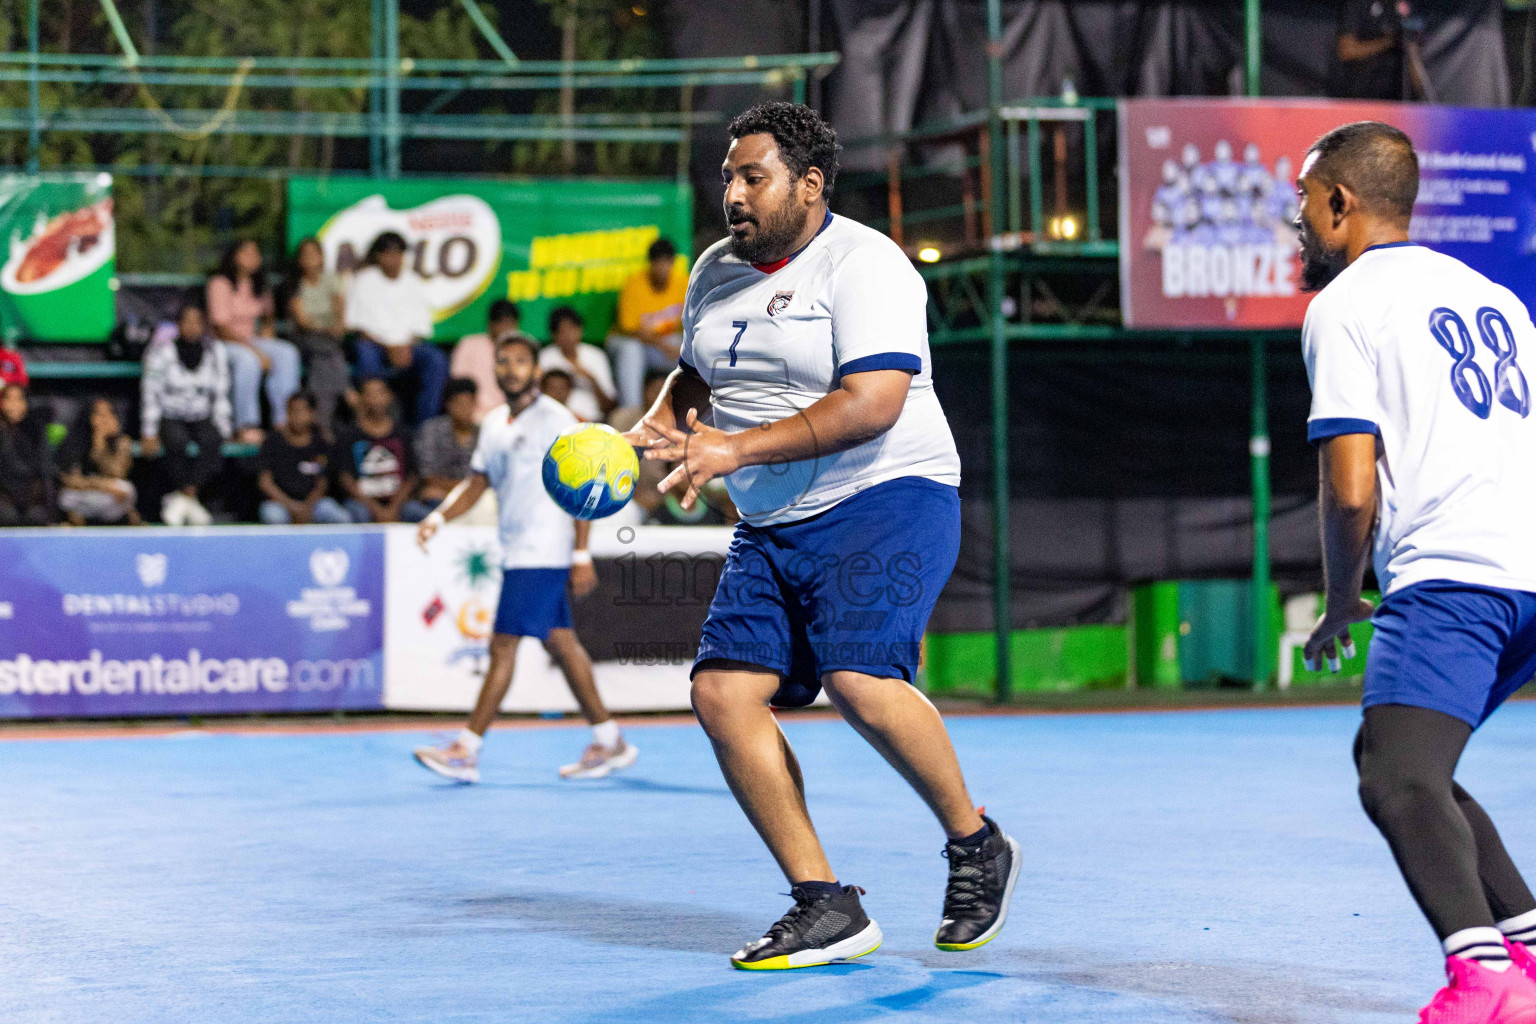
[{"x": 385, "y": 76}]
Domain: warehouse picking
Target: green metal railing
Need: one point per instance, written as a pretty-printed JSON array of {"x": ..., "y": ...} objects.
[
  {"x": 1009, "y": 233},
  {"x": 385, "y": 76}
]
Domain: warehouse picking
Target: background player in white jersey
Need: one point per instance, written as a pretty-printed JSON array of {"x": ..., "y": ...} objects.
[
  {"x": 805, "y": 344},
  {"x": 1423, "y": 417},
  {"x": 542, "y": 550}
]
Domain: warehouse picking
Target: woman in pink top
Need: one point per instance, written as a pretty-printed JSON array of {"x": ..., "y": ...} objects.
[{"x": 240, "y": 311}]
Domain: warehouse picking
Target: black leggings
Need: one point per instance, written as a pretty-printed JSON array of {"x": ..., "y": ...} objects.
[
  {"x": 1445, "y": 844},
  {"x": 183, "y": 469}
]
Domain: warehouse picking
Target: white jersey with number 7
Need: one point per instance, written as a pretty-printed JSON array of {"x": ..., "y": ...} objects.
[
  {"x": 770, "y": 340},
  {"x": 1423, "y": 351}
]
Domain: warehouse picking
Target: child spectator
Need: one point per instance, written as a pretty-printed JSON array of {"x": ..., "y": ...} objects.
[
  {"x": 185, "y": 402},
  {"x": 557, "y": 384},
  {"x": 240, "y": 312},
  {"x": 26, "y": 463},
  {"x": 388, "y": 307},
  {"x": 293, "y": 470},
  {"x": 377, "y": 463},
  {"x": 648, "y": 325},
  {"x": 317, "y": 304},
  {"x": 95, "y": 458},
  {"x": 474, "y": 357},
  {"x": 592, "y": 395},
  {"x": 444, "y": 444}
]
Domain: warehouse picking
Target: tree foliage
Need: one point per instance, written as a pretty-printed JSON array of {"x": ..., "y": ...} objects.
[{"x": 178, "y": 221}]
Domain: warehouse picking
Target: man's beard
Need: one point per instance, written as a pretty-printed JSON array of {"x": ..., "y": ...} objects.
[
  {"x": 513, "y": 397},
  {"x": 1319, "y": 266},
  {"x": 775, "y": 234}
]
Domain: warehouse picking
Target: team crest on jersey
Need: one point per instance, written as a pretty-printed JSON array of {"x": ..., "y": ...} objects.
[{"x": 779, "y": 303}]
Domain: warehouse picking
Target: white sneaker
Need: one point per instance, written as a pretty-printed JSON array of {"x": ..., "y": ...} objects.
[
  {"x": 197, "y": 515},
  {"x": 451, "y": 762},
  {"x": 598, "y": 760},
  {"x": 173, "y": 509}
]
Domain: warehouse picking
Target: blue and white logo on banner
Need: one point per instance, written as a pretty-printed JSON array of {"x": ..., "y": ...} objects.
[{"x": 147, "y": 622}]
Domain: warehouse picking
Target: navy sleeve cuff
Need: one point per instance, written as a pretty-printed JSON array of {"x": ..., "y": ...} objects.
[
  {"x": 883, "y": 361},
  {"x": 1322, "y": 430},
  {"x": 687, "y": 366}
]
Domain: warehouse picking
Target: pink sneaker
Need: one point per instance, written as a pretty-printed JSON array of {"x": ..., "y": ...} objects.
[
  {"x": 1524, "y": 961},
  {"x": 1476, "y": 995}
]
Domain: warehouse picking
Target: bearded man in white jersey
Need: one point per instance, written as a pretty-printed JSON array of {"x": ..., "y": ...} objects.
[
  {"x": 543, "y": 550},
  {"x": 1422, "y": 415},
  {"x": 805, "y": 382}
]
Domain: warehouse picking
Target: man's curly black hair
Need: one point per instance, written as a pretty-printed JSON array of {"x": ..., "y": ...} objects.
[{"x": 804, "y": 139}]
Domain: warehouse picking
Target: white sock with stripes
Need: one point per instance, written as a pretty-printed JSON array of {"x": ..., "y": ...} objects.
[
  {"x": 1485, "y": 945},
  {"x": 1520, "y": 929}
]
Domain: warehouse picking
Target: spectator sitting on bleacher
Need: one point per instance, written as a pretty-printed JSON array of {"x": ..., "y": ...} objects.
[
  {"x": 26, "y": 463},
  {"x": 444, "y": 444},
  {"x": 240, "y": 311},
  {"x": 474, "y": 357},
  {"x": 387, "y": 306},
  {"x": 648, "y": 324},
  {"x": 376, "y": 461},
  {"x": 317, "y": 304},
  {"x": 95, "y": 459},
  {"x": 557, "y": 384},
  {"x": 293, "y": 471},
  {"x": 184, "y": 401},
  {"x": 592, "y": 396}
]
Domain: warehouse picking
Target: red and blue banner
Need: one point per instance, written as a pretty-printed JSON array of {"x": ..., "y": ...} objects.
[
  {"x": 152, "y": 622},
  {"x": 1207, "y": 195}
]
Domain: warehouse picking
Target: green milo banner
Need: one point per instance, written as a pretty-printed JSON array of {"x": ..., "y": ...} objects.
[
  {"x": 542, "y": 243},
  {"x": 57, "y": 280}
]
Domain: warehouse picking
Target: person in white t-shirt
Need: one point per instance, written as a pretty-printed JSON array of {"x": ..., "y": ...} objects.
[
  {"x": 387, "y": 306},
  {"x": 542, "y": 551},
  {"x": 1422, "y": 416},
  {"x": 593, "y": 396},
  {"x": 805, "y": 339}
]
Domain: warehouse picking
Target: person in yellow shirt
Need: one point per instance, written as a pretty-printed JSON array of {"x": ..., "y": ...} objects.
[{"x": 648, "y": 330}]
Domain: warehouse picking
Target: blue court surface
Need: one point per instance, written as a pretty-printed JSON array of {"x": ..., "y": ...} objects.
[{"x": 1179, "y": 868}]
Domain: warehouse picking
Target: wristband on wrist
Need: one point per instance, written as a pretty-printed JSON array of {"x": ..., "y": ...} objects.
[
  {"x": 435, "y": 518},
  {"x": 582, "y": 557}
]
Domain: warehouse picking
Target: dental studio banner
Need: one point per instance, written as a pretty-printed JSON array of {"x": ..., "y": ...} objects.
[
  {"x": 154, "y": 622},
  {"x": 1208, "y": 193},
  {"x": 56, "y": 278},
  {"x": 541, "y": 243}
]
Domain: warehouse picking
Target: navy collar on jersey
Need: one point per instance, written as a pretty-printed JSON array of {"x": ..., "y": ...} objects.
[
  {"x": 769, "y": 268},
  {"x": 1386, "y": 245}
]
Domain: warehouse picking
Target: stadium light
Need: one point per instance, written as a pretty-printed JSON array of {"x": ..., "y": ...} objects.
[
  {"x": 1064, "y": 228},
  {"x": 929, "y": 254}
]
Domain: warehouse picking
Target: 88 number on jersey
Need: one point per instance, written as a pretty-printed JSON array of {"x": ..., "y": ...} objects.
[{"x": 1467, "y": 378}]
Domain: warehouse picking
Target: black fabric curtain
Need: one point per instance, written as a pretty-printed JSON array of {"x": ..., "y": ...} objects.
[
  {"x": 1127, "y": 463},
  {"x": 910, "y": 61}
]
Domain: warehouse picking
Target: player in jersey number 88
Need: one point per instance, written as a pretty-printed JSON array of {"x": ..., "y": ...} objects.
[{"x": 590, "y": 471}]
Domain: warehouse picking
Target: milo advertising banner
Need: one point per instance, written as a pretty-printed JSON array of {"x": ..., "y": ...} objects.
[
  {"x": 56, "y": 282},
  {"x": 541, "y": 243}
]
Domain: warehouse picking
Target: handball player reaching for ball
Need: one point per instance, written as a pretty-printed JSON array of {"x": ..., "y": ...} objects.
[{"x": 805, "y": 341}]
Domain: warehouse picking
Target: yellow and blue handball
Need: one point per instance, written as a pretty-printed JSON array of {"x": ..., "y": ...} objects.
[{"x": 590, "y": 470}]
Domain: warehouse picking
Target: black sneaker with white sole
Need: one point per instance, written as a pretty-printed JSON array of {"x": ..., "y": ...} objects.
[
  {"x": 821, "y": 928},
  {"x": 981, "y": 882}
]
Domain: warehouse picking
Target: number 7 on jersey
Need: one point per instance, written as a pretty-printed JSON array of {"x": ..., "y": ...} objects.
[{"x": 741, "y": 328}]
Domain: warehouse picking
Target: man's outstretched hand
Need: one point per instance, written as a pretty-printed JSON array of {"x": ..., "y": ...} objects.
[{"x": 703, "y": 453}]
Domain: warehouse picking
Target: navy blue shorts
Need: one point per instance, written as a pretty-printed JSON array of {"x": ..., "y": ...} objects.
[
  {"x": 533, "y": 602},
  {"x": 1451, "y": 647},
  {"x": 849, "y": 589}
]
